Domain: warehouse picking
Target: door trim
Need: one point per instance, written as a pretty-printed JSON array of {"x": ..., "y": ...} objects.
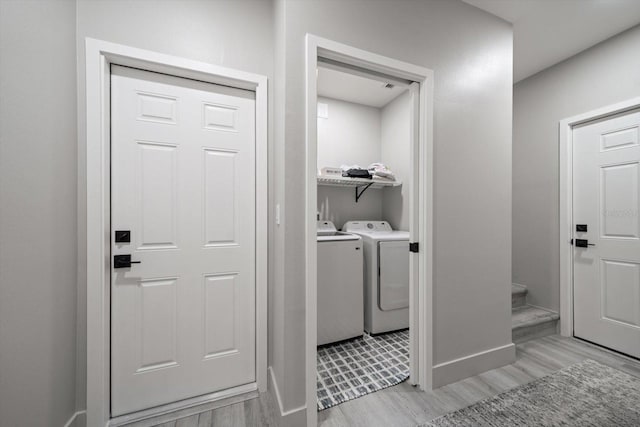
[
  {"x": 566, "y": 203},
  {"x": 421, "y": 208},
  {"x": 99, "y": 56}
]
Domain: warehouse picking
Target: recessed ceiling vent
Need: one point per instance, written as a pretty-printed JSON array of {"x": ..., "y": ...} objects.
[{"x": 389, "y": 85}]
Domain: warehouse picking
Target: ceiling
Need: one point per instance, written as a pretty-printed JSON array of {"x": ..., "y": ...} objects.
[
  {"x": 354, "y": 88},
  {"x": 546, "y": 32}
]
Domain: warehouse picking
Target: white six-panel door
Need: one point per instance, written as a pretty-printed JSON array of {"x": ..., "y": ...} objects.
[
  {"x": 183, "y": 184},
  {"x": 606, "y": 189}
]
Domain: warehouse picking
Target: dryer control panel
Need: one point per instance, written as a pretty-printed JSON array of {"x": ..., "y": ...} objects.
[{"x": 368, "y": 226}]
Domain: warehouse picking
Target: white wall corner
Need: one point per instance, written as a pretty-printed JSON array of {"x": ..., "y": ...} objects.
[
  {"x": 296, "y": 417},
  {"x": 518, "y": 285},
  {"x": 78, "y": 419},
  {"x": 474, "y": 364}
]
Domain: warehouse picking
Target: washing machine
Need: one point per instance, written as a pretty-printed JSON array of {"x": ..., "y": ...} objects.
[
  {"x": 386, "y": 275},
  {"x": 340, "y": 284}
]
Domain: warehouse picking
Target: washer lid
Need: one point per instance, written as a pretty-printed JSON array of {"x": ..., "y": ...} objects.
[
  {"x": 336, "y": 236},
  {"x": 389, "y": 235},
  {"x": 327, "y": 232}
]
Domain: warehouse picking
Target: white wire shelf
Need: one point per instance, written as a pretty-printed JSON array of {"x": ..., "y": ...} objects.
[
  {"x": 360, "y": 184},
  {"x": 343, "y": 181}
]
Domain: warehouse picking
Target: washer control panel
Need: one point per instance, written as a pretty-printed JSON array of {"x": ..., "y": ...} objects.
[{"x": 326, "y": 227}]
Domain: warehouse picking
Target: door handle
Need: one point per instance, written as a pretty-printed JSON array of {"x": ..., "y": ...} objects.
[
  {"x": 123, "y": 261},
  {"x": 583, "y": 243}
]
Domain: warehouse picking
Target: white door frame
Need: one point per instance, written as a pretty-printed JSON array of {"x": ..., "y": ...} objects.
[
  {"x": 566, "y": 203},
  {"x": 421, "y": 321},
  {"x": 99, "y": 56}
]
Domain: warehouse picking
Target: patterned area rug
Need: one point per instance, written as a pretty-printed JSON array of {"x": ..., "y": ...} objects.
[
  {"x": 585, "y": 394},
  {"x": 351, "y": 369}
]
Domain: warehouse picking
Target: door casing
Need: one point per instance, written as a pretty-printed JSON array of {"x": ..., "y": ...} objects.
[
  {"x": 566, "y": 203},
  {"x": 421, "y": 204},
  {"x": 99, "y": 55}
]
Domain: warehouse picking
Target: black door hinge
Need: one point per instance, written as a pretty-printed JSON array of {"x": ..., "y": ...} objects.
[{"x": 414, "y": 247}]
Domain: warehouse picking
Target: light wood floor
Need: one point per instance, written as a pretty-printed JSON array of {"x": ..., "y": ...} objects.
[{"x": 404, "y": 405}]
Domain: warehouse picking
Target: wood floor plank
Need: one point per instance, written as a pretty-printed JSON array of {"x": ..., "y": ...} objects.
[
  {"x": 204, "y": 420},
  {"x": 229, "y": 416},
  {"x": 497, "y": 380},
  {"x": 535, "y": 359},
  {"x": 252, "y": 413},
  {"x": 332, "y": 418},
  {"x": 376, "y": 410},
  {"x": 405, "y": 405},
  {"x": 190, "y": 421}
]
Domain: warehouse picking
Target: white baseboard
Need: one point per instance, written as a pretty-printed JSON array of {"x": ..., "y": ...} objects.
[
  {"x": 78, "y": 419},
  {"x": 474, "y": 364},
  {"x": 544, "y": 308},
  {"x": 184, "y": 408},
  {"x": 292, "y": 418}
]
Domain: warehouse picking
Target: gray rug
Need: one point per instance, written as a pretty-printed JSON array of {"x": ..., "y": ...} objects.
[
  {"x": 351, "y": 369},
  {"x": 585, "y": 394}
]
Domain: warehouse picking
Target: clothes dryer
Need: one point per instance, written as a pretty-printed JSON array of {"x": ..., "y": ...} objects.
[{"x": 386, "y": 275}]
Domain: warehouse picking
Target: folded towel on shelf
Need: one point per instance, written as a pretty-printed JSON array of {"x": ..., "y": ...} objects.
[
  {"x": 330, "y": 171},
  {"x": 355, "y": 171},
  {"x": 379, "y": 170}
]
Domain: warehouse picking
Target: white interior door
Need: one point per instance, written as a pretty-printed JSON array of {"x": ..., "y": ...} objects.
[
  {"x": 606, "y": 189},
  {"x": 183, "y": 185}
]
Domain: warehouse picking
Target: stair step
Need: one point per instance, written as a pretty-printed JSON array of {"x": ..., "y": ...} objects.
[
  {"x": 518, "y": 296},
  {"x": 529, "y": 322}
]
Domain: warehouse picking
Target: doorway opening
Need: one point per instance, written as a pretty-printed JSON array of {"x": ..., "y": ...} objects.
[
  {"x": 363, "y": 233},
  {"x": 369, "y": 222}
]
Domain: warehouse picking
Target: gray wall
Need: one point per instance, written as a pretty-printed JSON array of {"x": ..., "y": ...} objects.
[
  {"x": 603, "y": 75},
  {"x": 37, "y": 213},
  {"x": 350, "y": 135},
  {"x": 471, "y": 54},
  {"x": 396, "y": 154},
  {"x": 338, "y": 204}
]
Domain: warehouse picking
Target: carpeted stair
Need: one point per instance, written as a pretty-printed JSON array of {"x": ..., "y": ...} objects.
[{"x": 527, "y": 321}]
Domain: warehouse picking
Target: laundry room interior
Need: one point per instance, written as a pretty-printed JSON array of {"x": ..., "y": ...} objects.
[{"x": 364, "y": 177}]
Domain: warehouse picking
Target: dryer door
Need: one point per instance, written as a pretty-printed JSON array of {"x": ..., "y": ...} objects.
[{"x": 393, "y": 275}]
